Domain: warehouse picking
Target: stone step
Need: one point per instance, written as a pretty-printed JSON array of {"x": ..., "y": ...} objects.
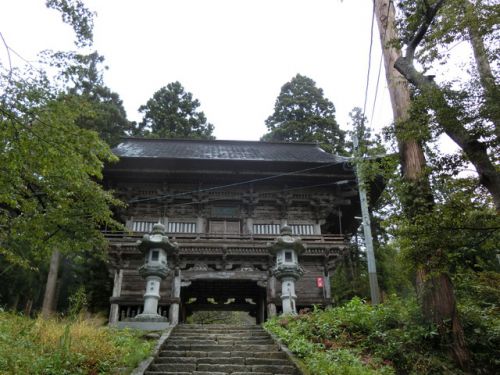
[
  {"x": 220, "y": 334},
  {"x": 220, "y": 347},
  {"x": 209, "y": 329},
  {"x": 201, "y": 354},
  {"x": 206, "y": 373},
  {"x": 220, "y": 350},
  {"x": 238, "y": 334},
  {"x": 204, "y": 341},
  {"x": 224, "y": 368},
  {"x": 223, "y": 360}
]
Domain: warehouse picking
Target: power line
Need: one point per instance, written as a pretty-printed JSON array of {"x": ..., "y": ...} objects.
[
  {"x": 8, "y": 54},
  {"x": 376, "y": 88},
  {"x": 369, "y": 58},
  {"x": 380, "y": 64}
]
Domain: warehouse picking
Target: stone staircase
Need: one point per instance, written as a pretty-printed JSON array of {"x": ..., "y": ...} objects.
[{"x": 194, "y": 349}]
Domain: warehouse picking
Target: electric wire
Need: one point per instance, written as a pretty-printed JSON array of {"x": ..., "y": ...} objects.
[
  {"x": 8, "y": 55},
  {"x": 369, "y": 59},
  {"x": 380, "y": 63}
]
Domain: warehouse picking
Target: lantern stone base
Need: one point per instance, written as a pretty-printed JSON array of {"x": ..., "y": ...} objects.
[
  {"x": 145, "y": 322},
  {"x": 149, "y": 318},
  {"x": 144, "y": 326}
]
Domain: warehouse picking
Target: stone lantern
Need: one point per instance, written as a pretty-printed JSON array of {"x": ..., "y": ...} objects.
[
  {"x": 155, "y": 246},
  {"x": 287, "y": 269}
]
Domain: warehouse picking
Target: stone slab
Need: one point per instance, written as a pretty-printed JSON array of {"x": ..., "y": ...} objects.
[{"x": 144, "y": 326}]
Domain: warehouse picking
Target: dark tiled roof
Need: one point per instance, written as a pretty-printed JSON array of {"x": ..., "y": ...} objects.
[{"x": 224, "y": 150}]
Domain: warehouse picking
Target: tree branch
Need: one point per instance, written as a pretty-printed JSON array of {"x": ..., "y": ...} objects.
[
  {"x": 430, "y": 14},
  {"x": 449, "y": 121}
]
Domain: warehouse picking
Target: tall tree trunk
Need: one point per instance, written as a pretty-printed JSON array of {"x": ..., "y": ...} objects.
[
  {"x": 491, "y": 91},
  {"x": 435, "y": 289},
  {"x": 48, "y": 307}
]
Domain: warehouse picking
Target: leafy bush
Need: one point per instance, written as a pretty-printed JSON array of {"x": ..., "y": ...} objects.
[
  {"x": 58, "y": 347},
  {"x": 358, "y": 338}
]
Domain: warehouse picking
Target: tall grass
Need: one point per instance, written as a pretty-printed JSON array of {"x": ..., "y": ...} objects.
[{"x": 59, "y": 347}]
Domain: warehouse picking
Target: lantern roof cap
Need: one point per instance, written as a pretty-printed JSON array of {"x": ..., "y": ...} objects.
[
  {"x": 286, "y": 240},
  {"x": 157, "y": 239}
]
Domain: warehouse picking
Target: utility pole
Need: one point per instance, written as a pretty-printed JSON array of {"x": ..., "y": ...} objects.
[{"x": 367, "y": 229}]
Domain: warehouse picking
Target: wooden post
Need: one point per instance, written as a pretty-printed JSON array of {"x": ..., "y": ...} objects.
[
  {"x": 261, "y": 310},
  {"x": 114, "y": 312},
  {"x": 327, "y": 287},
  {"x": 173, "y": 314},
  {"x": 271, "y": 295}
]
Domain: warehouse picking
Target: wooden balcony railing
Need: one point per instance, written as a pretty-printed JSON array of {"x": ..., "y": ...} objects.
[{"x": 193, "y": 237}]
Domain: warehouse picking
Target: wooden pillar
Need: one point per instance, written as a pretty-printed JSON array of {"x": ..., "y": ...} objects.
[
  {"x": 271, "y": 294},
  {"x": 173, "y": 314},
  {"x": 200, "y": 225},
  {"x": 114, "y": 313},
  {"x": 249, "y": 225},
  {"x": 327, "y": 288},
  {"x": 261, "y": 310}
]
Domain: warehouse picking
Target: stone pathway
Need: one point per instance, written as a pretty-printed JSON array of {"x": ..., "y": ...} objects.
[{"x": 219, "y": 349}]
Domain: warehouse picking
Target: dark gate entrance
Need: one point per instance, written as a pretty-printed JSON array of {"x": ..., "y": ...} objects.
[{"x": 223, "y": 295}]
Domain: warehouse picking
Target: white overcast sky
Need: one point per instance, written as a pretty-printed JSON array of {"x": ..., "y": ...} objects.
[{"x": 233, "y": 55}]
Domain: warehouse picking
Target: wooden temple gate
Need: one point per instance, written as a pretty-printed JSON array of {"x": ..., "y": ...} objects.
[{"x": 223, "y": 202}]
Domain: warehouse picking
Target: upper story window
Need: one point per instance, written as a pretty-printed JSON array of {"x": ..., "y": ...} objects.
[
  {"x": 226, "y": 211},
  {"x": 224, "y": 226}
]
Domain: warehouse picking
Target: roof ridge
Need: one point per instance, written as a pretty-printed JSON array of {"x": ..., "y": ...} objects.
[{"x": 218, "y": 141}]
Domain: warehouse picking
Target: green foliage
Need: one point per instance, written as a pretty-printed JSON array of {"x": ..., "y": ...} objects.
[
  {"x": 49, "y": 191},
  {"x": 58, "y": 347},
  {"x": 460, "y": 232},
  {"x": 450, "y": 27},
  {"x": 303, "y": 114},
  {"x": 106, "y": 114},
  {"x": 76, "y": 14},
  {"x": 390, "y": 338},
  {"x": 81, "y": 77},
  {"x": 173, "y": 113},
  {"x": 478, "y": 301},
  {"x": 77, "y": 303}
]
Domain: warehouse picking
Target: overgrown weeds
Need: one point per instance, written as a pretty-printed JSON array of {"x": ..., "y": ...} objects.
[{"x": 60, "y": 347}]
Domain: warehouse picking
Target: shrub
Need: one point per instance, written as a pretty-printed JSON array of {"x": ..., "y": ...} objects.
[{"x": 358, "y": 338}]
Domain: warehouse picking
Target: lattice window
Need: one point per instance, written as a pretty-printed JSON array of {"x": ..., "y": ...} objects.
[
  {"x": 302, "y": 229},
  {"x": 266, "y": 229},
  {"x": 143, "y": 226},
  {"x": 180, "y": 227}
]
